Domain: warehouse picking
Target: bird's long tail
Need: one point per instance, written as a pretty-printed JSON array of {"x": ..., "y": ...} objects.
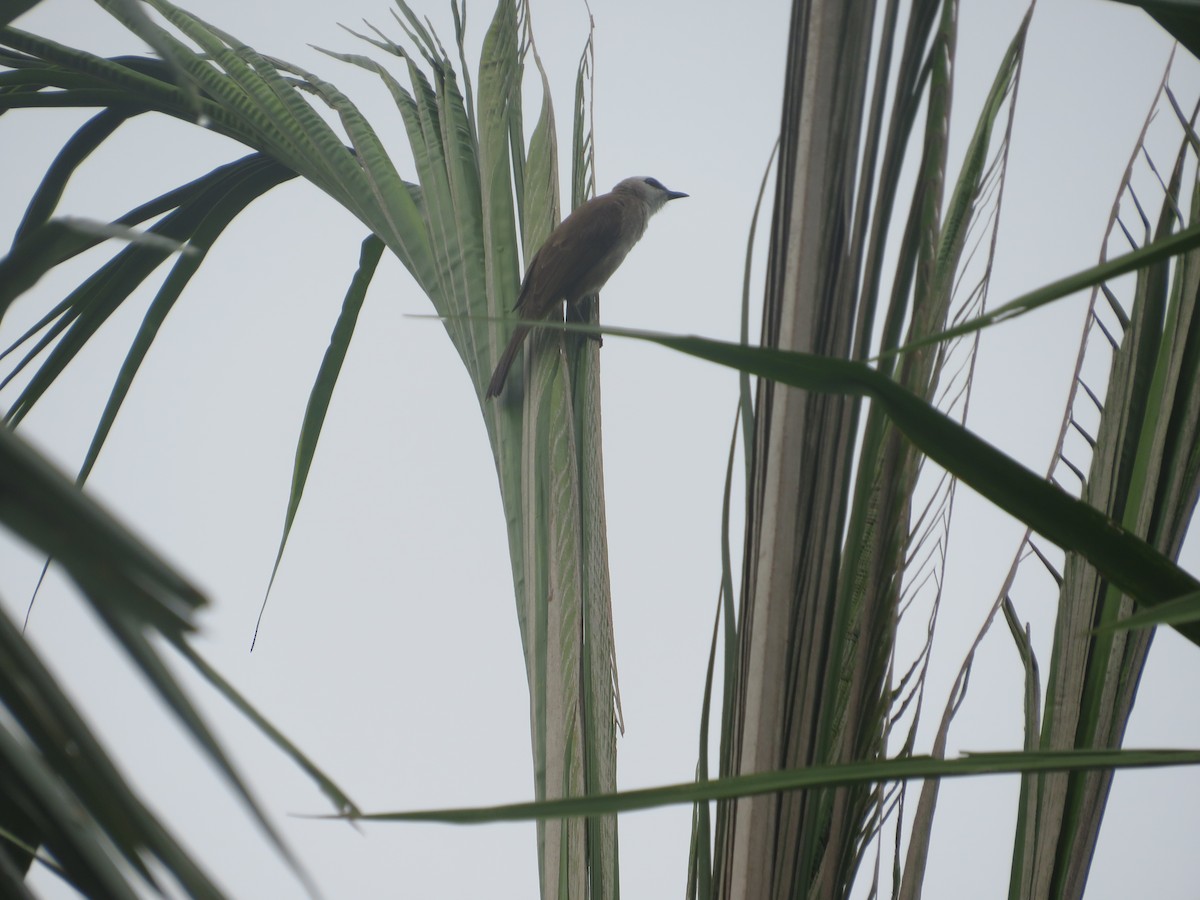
[{"x": 506, "y": 360}]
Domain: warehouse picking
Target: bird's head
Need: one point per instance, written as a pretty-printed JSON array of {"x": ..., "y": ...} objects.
[{"x": 649, "y": 190}]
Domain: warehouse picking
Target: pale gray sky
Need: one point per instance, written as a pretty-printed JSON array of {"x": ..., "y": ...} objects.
[{"x": 388, "y": 657}]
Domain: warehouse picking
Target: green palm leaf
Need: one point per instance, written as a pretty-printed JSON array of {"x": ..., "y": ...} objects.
[{"x": 481, "y": 200}]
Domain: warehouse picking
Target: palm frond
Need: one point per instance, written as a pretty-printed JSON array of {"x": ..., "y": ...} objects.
[
  {"x": 59, "y": 780},
  {"x": 1144, "y": 432},
  {"x": 483, "y": 197}
]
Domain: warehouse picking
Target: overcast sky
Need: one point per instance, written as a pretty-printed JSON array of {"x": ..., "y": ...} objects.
[{"x": 390, "y": 650}]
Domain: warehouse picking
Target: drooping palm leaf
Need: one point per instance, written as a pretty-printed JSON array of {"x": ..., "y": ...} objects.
[
  {"x": 841, "y": 775},
  {"x": 1121, "y": 556},
  {"x": 58, "y": 778},
  {"x": 62, "y": 790}
]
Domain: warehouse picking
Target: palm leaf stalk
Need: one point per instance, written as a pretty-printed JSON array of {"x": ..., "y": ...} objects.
[{"x": 818, "y": 614}]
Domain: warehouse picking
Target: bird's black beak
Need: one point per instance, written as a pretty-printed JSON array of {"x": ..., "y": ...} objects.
[{"x": 675, "y": 195}]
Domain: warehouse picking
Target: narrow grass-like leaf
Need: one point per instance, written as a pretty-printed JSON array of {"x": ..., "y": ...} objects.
[
  {"x": 72, "y": 241},
  {"x": 159, "y": 677},
  {"x": 322, "y": 393},
  {"x": 1173, "y": 612},
  {"x": 270, "y": 110},
  {"x": 126, "y": 583},
  {"x": 32, "y": 697},
  {"x": 583, "y": 134},
  {"x": 700, "y": 869},
  {"x": 841, "y": 775},
  {"x": 135, "y": 18},
  {"x": 459, "y": 143},
  {"x": 444, "y": 151},
  {"x": 90, "y": 136},
  {"x": 259, "y": 176},
  {"x": 745, "y": 395},
  {"x": 135, "y": 83},
  {"x": 388, "y": 201},
  {"x": 104, "y": 231},
  {"x": 541, "y": 175},
  {"x": 327, "y": 785},
  {"x": 26, "y": 782},
  {"x": 1027, "y": 802},
  {"x": 1122, "y": 557},
  {"x": 45, "y": 509},
  {"x": 460, "y": 33},
  {"x": 1158, "y": 251},
  {"x": 959, "y": 288},
  {"x": 498, "y": 75}
]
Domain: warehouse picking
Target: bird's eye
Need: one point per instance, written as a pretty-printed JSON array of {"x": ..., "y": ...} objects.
[{"x": 655, "y": 183}]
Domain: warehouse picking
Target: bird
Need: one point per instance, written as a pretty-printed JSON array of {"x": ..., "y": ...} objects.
[{"x": 581, "y": 254}]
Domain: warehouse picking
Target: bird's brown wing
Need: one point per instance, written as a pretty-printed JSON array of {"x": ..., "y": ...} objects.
[{"x": 567, "y": 263}]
